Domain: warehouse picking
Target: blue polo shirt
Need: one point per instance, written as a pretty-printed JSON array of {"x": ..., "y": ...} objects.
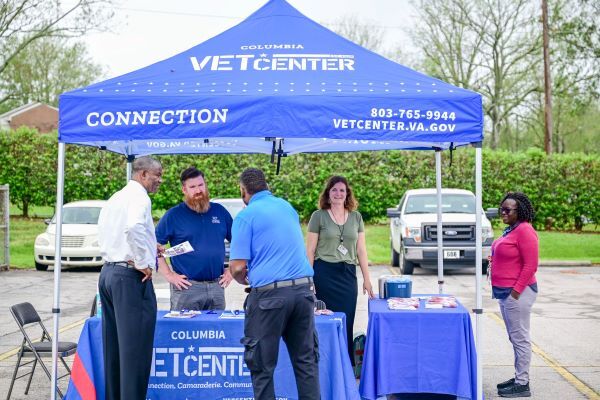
[
  {"x": 267, "y": 233},
  {"x": 206, "y": 233}
]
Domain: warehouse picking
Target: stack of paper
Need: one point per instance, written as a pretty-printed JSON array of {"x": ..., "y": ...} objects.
[
  {"x": 182, "y": 314},
  {"x": 441, "y": 302},
  {"x": 400, "y": 303},
  {"x": 229, "y": 314}
]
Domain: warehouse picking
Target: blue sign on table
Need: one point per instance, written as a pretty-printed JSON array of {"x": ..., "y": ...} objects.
[{"x": 202, "y": 357}]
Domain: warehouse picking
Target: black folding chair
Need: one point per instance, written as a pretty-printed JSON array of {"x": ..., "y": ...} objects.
[
  {"x": 25, "y": 315},
  {"x": 93, "y": 310}
]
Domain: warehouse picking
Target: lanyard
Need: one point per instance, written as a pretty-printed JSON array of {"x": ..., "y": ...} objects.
[
  {"x": 341, "y": 229},
  {"x": 511, "y": 228}
]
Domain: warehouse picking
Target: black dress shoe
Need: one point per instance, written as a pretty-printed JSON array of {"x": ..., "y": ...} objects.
[
  {"x": 515, "y": 390},
  {"x": 507, "y": 383}
]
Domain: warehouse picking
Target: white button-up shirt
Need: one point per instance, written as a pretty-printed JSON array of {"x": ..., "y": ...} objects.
[{"x": 125, "y": 227}]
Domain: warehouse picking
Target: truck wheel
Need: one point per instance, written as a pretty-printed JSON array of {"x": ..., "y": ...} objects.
[
  {"x": 40, "y": 267},
  {"x": 395, "y": 256},
  {"x": 406, "y": 267}
]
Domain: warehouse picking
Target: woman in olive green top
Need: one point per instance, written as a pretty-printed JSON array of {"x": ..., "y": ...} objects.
[{"x": 335, "y": 246}]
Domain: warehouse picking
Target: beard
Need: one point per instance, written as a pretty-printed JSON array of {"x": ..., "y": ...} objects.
[{"x": 199, "y": 203}]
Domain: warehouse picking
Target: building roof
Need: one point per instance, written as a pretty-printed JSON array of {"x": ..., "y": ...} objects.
[{"x": 22, "y": 109}]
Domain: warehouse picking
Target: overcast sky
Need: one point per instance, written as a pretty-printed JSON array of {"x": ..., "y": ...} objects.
[{"x": 146, "y": 31}]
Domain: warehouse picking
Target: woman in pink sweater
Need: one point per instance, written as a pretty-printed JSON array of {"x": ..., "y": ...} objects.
[{"x": 513, "y": 266}]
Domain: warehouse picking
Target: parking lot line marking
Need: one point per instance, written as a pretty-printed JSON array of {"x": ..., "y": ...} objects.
[
  {"x": 394, "y": 271},
  {"x": 552, "y": 363},
  {"x": 14, "y": 351}
]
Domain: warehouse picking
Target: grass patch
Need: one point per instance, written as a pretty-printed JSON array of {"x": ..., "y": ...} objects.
[
  {"x": 22, "y": 236},
  {"x": 378, "y": 244},
  {"x": 569, "y": 246},
  {"x": 553, "y": 245},
  {"x": 34, "y": 211}
]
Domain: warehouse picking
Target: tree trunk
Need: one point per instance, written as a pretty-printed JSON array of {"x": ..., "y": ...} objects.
[
  {"x": 547, "y": 82},
  {"x": 495, "y": 132}
]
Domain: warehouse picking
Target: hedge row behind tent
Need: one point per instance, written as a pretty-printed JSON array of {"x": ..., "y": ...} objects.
[{"x": 277, "y": 83}]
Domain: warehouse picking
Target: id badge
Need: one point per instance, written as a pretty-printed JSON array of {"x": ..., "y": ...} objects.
[{"x": 342, "y": 249}]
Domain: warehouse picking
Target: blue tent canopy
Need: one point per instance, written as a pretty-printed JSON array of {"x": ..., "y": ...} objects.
[{"x": 277, "y": 74}]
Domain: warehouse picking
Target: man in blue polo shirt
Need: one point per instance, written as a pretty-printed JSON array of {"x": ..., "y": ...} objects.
[
  {"x": 267, "y": 252},
  {"x": 197, "y": 278}
]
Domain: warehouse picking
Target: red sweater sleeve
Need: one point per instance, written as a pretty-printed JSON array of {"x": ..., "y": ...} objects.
[{"x": 528, "y": 245}]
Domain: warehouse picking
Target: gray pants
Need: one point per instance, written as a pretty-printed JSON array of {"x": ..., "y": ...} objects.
[
  {"x": 199, "y": 296},
  {"x": 516, "y": 315}
]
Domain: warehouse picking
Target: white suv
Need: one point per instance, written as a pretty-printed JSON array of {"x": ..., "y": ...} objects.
[{"x": 413, "y": 229}]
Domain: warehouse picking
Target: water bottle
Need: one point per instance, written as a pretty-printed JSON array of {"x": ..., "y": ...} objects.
[{"x": 98, "y": 306}]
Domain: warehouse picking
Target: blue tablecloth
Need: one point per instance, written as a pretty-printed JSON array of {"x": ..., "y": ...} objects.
[
  {"x": 422, "y": 351},
  {"x": 202, "y": 358}
]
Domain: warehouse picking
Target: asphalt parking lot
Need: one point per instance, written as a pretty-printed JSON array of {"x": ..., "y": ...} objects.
[{"x": 565, "y": 325}]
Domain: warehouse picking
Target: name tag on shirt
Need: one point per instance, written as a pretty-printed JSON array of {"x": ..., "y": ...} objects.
[{"x": 342, "y": 249}]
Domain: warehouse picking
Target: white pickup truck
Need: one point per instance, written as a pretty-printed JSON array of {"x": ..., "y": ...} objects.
[{"x": 413, "y": 229}]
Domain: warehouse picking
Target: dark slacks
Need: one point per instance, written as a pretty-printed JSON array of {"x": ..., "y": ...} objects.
[
  {"x": 287, "y": 313},
  {"x": 336, "y": 285},
  {"x": 128, "y": 322}
]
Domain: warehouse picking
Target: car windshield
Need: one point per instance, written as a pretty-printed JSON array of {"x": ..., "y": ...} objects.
[
  {"x": 79, "y": 215},
  {"x": 451, "y": 203},
  {"x": 233, "y": 207}
]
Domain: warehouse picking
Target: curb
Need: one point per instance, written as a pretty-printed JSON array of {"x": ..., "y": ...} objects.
[
  {"x": 559, "y": 263},
  {"x": 543, "y": 263}
]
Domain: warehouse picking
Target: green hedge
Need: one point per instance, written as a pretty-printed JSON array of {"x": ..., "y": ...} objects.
[{"x": 563, "y": 187}]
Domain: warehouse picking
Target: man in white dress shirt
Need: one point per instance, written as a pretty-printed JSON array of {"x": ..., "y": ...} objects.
[{"x": 129, "y": 249}]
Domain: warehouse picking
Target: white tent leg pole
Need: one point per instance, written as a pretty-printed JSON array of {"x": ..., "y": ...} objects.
[
  {"x": 129, "y": 170},
  {"x": 440, "y": 234},
  {"x": 478, "y": 245},
  {"x": 60, "y": 184}
]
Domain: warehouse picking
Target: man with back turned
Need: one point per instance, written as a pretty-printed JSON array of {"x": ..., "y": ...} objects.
[
  {"x": 267, "y": 252},
  {"x": 129, "y": 249}
]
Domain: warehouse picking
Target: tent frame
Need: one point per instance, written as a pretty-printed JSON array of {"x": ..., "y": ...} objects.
[{"x": 478, "y": 310}]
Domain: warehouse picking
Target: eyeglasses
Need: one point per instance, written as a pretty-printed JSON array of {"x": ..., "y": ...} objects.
[{"x": 505, "y": 210}]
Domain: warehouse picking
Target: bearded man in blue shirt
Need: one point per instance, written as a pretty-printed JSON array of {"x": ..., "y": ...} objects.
[
  {"x": 267, "y": 252},
  {"x": 198, "y": 279}
]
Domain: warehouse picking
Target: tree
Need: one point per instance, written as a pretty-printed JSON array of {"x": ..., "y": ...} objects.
[
  {"x": 490, "y": 46},
  {"x": 494, "y": 47},
  {"x": 547, "y": 80},
  {"x": 575, "y": 50},
  {"x": 28, "y": 164},
  {"x": 23, "y": 22},
  {"x": 366, "y": 34},
  {"x": 45, "y": 69},
  {"x": 575, "y": 53}
]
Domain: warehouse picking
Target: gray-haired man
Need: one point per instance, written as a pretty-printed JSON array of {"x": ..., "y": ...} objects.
[{"x": 129, "y": 249}]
